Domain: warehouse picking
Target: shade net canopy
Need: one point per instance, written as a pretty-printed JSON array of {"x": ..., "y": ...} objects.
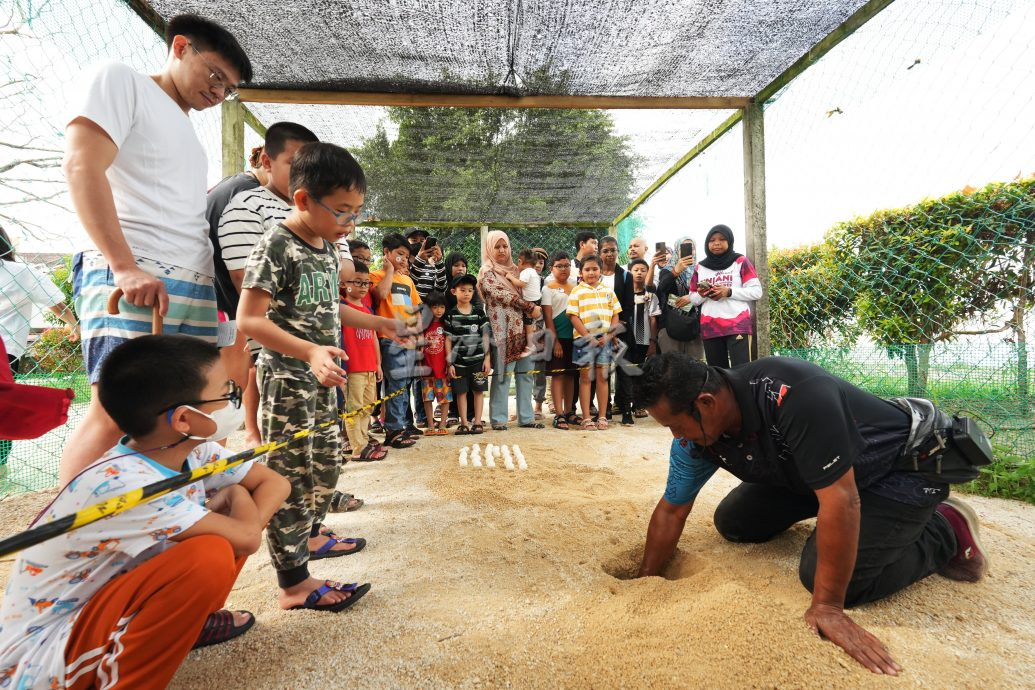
[
  {"x": 502, "y": 165},
  {"x": 505, "y": 165},
  {"x": 523, "y": 47}
]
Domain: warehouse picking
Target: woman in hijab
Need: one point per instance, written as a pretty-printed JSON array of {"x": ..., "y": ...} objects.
[
  {"x": 724, "y": 285},
  {"x": 505, "y": 309},
  {"x": 456, "y": 266},
  {"x": 679, "y": 327}
]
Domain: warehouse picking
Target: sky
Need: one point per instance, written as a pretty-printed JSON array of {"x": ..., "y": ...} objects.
[{"x": 928, "y": 97}]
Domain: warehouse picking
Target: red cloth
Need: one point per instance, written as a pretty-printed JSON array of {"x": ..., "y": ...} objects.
[
  {"x": 435, "y": 349},
  {"x": 360, "y": 345},
  {"x": 29, "y": 411}
]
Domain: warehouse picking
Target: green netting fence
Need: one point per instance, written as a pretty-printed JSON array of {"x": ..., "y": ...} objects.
[{"x": 927, "y": 291}]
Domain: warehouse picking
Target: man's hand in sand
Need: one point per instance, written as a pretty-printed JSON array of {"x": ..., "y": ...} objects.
[{"x": 835, "y": 625}]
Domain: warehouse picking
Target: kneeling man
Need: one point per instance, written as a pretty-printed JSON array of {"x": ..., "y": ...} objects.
[{"x": 807, "y": 444}]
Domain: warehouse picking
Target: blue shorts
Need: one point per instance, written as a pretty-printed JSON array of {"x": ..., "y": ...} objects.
[
  {"x": 192, "y": 307},
  {"x": 586, "y": 351}
]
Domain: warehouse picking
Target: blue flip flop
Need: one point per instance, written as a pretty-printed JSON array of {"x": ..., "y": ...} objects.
[
  {"x": 357, "y": 591},
  {"x": 326, "y": 552}
]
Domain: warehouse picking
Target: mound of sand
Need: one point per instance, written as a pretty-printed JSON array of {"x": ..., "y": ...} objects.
[{"x": 490, "y": 578}]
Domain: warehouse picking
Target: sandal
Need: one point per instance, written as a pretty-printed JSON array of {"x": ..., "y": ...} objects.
[
  {"x": 477, "y": 428},
  {"x": 356, "y": 592},
  {"x": 559, "y": 422},
  {"x": 462, "y": 430},
  {"x": 376, "y": 427},
  {"x": 342, "y": 503},
  {"x": 574, "y": 419},
  {"x": 533, "y": 425},
  {"x": 325, "y": 551},
  {"x": 499, "y": 427},
  {"x": 219, "y": 627},
  {"x": 397, "y": 439},
  {"x": 589, "y": 425},
  {"x": 371, "y": 453},
  {"x": 602, "y": 424},
  {"x": 640, "y": 414}
]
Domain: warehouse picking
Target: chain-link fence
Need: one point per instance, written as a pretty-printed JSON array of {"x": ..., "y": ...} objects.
[{"x": 917, "y": 126}]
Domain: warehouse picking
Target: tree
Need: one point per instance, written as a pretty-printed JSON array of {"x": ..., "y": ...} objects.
[
  {"x": 810, "y": 301},
  {"x": 924, "y": 270},
  {"x": 497, "y": 164}
]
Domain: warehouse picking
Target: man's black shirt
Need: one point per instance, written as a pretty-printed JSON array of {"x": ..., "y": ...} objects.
[{"x": 803, "y": 428}]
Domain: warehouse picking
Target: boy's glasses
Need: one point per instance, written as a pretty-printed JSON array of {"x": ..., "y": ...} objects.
[
  {"x": 216, "y": 78},
  {"x": 233, "y": 396},
  {"x": 360, "y": 283},
  {"x": 341, "y": 217}
]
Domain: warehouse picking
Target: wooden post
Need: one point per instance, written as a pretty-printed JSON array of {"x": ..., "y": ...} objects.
[
  {"x": 755, "y": 217},
  {"x": 233, "y": 138},
  {"x": 484, "y": 238},
  {"x": 612, "y": 230}
]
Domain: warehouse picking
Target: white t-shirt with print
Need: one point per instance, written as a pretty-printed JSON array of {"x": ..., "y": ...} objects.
[
  {"x": 22, "y": 287},
  {"x": 158, "y": 177},
  {"x": 52, "y": 582}
]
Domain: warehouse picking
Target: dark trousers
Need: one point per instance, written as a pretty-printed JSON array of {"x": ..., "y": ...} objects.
[
  {"x": 636, "y": 354},
  {"x": 898, "y": 543},
  {"x": 728, "y": 351}
]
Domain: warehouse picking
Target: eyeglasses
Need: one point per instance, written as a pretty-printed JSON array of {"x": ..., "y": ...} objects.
[
  {"x": 360, "y": 283},
  {"x": 216, "y": 78},
  {"x": 233, "y": 395},
  {"x": 562, "y": 265},
  {"x": 341, "y": 217}
]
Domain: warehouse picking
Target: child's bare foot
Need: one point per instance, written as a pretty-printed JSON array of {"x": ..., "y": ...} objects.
[
  {"x": 252, "y": 441},
  {"x": 298, "y": 594}
]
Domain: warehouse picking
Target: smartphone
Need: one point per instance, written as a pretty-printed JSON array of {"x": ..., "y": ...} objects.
[
  {"x": 704, "y": 285},
  {"x": 430, "y": 242},
  {"x": 659, "y": 247},
  {"x": 686, "y": 249}
]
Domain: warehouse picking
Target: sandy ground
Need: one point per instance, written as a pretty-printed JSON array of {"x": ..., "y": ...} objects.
[{"x": 489, "y": 578}]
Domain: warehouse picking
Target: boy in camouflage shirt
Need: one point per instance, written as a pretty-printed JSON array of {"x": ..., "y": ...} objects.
[{"x": 289, "y": 304}]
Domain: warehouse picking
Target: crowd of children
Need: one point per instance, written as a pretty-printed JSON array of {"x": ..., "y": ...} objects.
[{"x": 309, "y": 328}]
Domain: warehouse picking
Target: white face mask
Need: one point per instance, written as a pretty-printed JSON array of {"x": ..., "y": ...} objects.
[{"x": 228, "y": 419}]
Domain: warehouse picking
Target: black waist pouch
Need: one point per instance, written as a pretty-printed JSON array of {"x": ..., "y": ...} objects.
[{"x": 942, "y": 448}]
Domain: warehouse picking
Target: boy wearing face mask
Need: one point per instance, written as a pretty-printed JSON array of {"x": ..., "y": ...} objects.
[{"x": 121, "y": 601}]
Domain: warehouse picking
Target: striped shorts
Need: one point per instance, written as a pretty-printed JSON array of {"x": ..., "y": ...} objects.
[{"x": 192, "y": 306}]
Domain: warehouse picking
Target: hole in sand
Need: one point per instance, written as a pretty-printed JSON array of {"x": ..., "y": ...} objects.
[{"x": 625, "y": 565}]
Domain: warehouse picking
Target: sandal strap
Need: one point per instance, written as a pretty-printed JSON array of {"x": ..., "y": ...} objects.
[{"x": 317, "y": 594}]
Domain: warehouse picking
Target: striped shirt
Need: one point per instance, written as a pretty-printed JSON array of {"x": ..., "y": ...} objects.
[
  {"x": 428, "y": 277},
  {"x": 466, "y": 335},
  {"x": 245, "y": 220},
  {"x": 595, "y": 306}
]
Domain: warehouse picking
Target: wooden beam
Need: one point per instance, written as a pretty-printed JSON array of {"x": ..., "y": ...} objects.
[
  {"x": 843, "y": 31},
  {"x": 693, "y": 153},
  {"x": 591, "y": 225},
  {"x": 755, "y": 218},
  {"x": 233, "y": 138},
  {"x": 253, "y": 122},
  {"x": 434, "y": 100}
]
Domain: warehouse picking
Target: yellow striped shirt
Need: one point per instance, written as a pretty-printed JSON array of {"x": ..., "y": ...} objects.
[{"x": 595, "y": 306}]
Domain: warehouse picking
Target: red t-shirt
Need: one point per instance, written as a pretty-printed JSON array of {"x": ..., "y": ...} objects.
[
  {"x": 435, "y": 349},
  {"x": 360, "y": 346}
]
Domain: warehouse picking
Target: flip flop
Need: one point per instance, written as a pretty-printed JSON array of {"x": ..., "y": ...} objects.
[
  {"x": 325, "y": 551},
  {"x": 342, "y": 502},
  {"x": 532, "y": 425},
  {"x": 462, "y": 430},
  {"x": 371, "y": 453},
  {"x": 357, "y": 592},
  {"x": 219, "y": 627},
  {"x": 477, "y": 428},
  {"x": 397, "y": 439}
]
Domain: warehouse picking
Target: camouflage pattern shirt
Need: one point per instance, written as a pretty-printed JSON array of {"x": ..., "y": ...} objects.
[{"x": 302, "y": 282}]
